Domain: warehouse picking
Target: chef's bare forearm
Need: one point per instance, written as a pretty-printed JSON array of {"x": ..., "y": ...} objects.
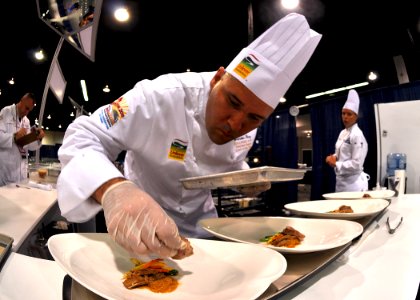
[{"x": 98, "y": 194}]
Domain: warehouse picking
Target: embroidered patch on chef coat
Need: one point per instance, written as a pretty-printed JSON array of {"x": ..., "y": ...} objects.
[
  {"x": 243, "y": 143},
  {"x": 114, "y": 112},
  {"x": 246, "y": 66},
  {"x": 178, "y": 150}
]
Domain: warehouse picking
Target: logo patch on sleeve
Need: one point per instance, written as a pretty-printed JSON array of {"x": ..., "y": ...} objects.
[
  {"x": 178, "y": 150},
  {"x": 114, "y": 112}
]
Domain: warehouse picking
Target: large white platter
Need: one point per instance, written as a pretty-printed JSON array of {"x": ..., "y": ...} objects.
[
  {"x": 216, "y": 270},
  {"x": 379, "y": 194},
  {"x": 320, "y": 234},
  {"x": 320, "y": 208},
  {"x": 243, "y": 177}
]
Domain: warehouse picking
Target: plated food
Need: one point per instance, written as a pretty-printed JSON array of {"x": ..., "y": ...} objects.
[
  {"x": 288, "y": 237},
  {"x": 320, "y": 234},
  {"x": 377, "y": 194},
  {"x": 96, "y": 262},
  {"x": 328, "y": 208}
]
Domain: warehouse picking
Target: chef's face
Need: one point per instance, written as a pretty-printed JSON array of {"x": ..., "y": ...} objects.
[
  {"x": 348, "y": 117},
  {"x": 25, "y": 106},
  {"x": 232, "y": 109}
]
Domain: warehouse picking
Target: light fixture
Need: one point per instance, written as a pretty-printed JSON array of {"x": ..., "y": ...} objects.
[
  {"x": 72, "y": 114},
  {"x": 12, "y": 81},
  {"x": 349, "y": 87},
  {"x": 282, "y": 100},
  {"x": 84, "y": 89},
  {"x": 59, "y": 126},
  {"x": 39, "y": 55},
  {"x": 49, "y": 117},
  {"x": 106, "y": 89},
  {"x": 121, "y": 14},
  {"x": 372, "y": 76}
]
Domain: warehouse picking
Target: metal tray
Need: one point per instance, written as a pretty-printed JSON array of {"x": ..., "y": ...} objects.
[{"x": 243, "y": 177}]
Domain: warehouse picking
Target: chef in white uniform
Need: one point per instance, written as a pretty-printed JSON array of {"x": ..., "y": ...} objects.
[
  {"x": 14, "y": 124},
  {"x": 173, "y": 127},
  {"x": 350, "y": 150}
]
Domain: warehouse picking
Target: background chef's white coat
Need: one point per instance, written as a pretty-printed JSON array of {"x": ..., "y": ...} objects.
[
  {"x": 351, "y": 150},
  {"x": 12, "y": 167},
  {"x": 159, "y": 111}
]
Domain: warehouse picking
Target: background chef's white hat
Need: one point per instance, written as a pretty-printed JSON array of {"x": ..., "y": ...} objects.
[
  {"x": 352, "y": 102},
  {"x": 270, "y": 64}
]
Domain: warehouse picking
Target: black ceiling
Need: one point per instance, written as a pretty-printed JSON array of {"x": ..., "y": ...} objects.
[{"x": 171, "y": 36}]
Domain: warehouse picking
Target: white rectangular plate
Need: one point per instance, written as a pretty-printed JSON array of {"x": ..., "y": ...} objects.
[
  {"x": 320, "y": 234},
  {"x": 216, "y": 270},
  {"x": 320, "y": 208},
  {"x": 243, "y": 177}
]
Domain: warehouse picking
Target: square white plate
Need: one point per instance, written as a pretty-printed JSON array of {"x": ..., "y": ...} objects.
[
  {"x": 216, "y": 270},
  {"x": 320, "y": 234}
]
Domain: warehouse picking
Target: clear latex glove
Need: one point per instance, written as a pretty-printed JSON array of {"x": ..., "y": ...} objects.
[
  {"x": 253, "y": 190},
  {"x": 136, "y": 222}
]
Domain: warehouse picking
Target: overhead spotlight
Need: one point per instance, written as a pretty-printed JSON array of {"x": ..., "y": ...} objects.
[
  {"x": 39, "y": 55},
  {"x": 372, "y": 76},
  {"x": 59, "y": 126},
  {"x": 282, "y": 100},
  {"x": 49, "y": 117},
  {"x": 72, "y": 114},
  {"x": 121, "y": 14},
  {"x": 106, "y": 89},
  {"x": 12, "y": 81}
]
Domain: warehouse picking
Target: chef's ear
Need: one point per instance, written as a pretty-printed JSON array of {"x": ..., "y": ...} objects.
[{"x": 219, "y": 74}]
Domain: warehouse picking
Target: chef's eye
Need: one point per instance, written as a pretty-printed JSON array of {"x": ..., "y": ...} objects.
[{"x": 234, "y": 103}]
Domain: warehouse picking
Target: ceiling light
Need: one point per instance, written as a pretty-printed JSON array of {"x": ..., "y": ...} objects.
[
  {"x": 121, "y": 14},
  {"x": 39, "y": 55},
  {"x": 372, "y": 76},
  {"x": 349, "y": 87},
  {"x": 59, "y": 126},
  {"x": 72, "y": 114},
  {"x": 282, "y": 100},
  {"x": 290, "y": 4},
  {"x": 49, "y": 117},
  {"x": 12, "y": 81},
  {"x": 84, "y": 89},
  {"x": 106, "y": 89}
]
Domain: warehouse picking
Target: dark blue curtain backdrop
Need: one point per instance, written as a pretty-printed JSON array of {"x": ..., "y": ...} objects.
[
  {"x": 277, "y": 146},
  {"x": 326, "y": 126}
]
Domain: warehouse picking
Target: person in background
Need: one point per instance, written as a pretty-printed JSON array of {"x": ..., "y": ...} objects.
[
  {"x": 176, "y": 126},
  {"x": 15, "y": 124},
  {"x": 350, "y": 150}
]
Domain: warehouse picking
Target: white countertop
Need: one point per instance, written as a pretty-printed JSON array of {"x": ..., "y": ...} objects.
[
  {"x": 380, "y": 266},
  {"x": 21, "y": 209},
  {"x": 25, "y": 277}
]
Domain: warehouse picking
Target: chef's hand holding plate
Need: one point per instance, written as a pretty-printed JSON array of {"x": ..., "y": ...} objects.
[
  {"x": 253, "y": 190},
  {"x": 136, "y": 222}
]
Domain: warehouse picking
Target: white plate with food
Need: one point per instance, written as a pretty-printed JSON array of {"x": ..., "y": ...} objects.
[
  {"x": 377, "y": 194},
  {"x": 216, "y": 270},
  {"x": 338, "y": 209},
  {"x": 319, "y": 234}
]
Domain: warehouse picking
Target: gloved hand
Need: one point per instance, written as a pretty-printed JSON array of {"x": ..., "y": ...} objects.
[
  {"x": 253, "y": 190},
  {"x": 136, "y": 222}
]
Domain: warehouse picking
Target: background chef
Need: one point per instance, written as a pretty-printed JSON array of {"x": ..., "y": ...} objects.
[
  {"x": 173, "y": 127},
  {"x": 350, "y": 150}
]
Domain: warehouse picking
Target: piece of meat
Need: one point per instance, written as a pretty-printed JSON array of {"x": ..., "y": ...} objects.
[
  {"x": 289, "y": 230},
  {"x": 185, "y": 251}
]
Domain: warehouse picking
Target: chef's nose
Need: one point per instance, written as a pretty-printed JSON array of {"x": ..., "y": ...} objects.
[{"x": 236, "y": 121}]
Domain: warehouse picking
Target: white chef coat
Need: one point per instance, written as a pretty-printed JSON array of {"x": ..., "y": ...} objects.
[
  {"x": 351, "y": 150},
  {"x": 13, "y": 159},
  {"x": 161, "y": 124}
]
